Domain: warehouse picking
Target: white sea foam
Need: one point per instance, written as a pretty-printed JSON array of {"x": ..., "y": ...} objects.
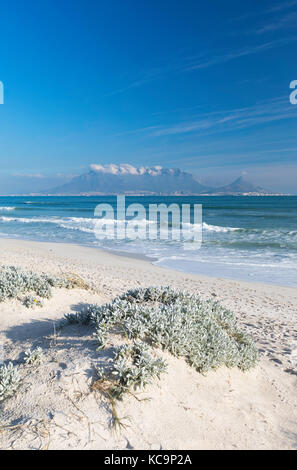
[
  {"x": 217, "y": 228},
  {"x": 93, "y": 221},
  {"x": 7, "y": 208}
]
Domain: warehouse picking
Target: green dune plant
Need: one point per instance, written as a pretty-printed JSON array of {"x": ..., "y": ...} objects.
[
  {"x": 15, "y": 282},
  {"x": 204, "y": 333},
  {"x": 9, "y": 380},
  {"x": 34, "y": 357}
]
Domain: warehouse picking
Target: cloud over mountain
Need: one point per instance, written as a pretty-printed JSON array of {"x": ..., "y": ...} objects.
[
  {"x": 125, "y": 178},
  {"x": 126, "y": 169}
]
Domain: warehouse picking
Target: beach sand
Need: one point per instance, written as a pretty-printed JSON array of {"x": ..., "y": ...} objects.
[{"x": 225, "y": 409}]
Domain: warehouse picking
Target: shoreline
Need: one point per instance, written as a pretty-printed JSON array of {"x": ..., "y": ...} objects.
[
  {"x": 107, "y": 250},
  {"x": 241, "y": 240},
  {"x": 152, "y": 261},
  {"x": 225, "y": 409},
  {"x": 152, "y": 194}
]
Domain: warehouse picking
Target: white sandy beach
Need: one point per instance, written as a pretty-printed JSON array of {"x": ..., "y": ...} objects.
[{"x": 226, "y": 409}]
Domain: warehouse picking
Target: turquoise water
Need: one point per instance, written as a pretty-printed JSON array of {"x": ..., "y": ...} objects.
[{"x": 249, "y": 238}]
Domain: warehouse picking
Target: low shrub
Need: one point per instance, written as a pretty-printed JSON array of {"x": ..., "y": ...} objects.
[
  {"x": 15, "y": 282},
  {"x": 34, "y": 357},
  {"x": 9, "y": 380},
  {"x": 205, "y": 333},
  {"x": 31, "y": 302}
]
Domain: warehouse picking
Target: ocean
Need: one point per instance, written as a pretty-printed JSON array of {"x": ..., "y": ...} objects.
[{"x": 244, "y": 237}]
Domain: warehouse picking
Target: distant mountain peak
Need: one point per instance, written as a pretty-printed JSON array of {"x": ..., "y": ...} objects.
[
  {"x": 240, "y": 179},
  {"x": 240, "y": 186},
  {"x": 127, "y": 179}
]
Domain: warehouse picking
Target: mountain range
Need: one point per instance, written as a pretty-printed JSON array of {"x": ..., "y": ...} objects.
[
  {"x": 240, "y": 186},
  {"x": 127, "y": 179}
]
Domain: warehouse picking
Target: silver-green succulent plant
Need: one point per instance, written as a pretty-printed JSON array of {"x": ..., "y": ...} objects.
[
  {"x": 34, "y": 357},
  {"x": 15, "y": 282},
  {"x": 204, "y": 333},
  {"x": 9, "y": 380},
  {"x": 31, "y": 302}
]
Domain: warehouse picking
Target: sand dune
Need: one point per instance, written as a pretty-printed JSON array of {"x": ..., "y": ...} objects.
[{"x": 226, "y": 409}]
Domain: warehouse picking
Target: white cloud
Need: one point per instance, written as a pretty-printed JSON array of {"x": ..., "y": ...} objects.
[
  {"x": 284, "y": 22},
  {"x": 267, "y": 111},
  {"x": 125, "y": 169},
  {"x": 228, "y": 56},
  {"x": 207, "y": 59},
  {"x": 273, "y": 9},
  {"x": 30, "y": 175},
  {"x": 43, "y": 176}
]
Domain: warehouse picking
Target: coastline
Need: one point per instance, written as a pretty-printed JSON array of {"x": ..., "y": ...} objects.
[
  {"x": 204, "y": 268},
  {"x": 84, "y": 252},
  {"x": 234, "y": 245},
  {"x": 225, "y": 409}
]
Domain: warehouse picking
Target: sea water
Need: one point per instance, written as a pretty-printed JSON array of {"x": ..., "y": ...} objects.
[{"x": 243, "y": 237}]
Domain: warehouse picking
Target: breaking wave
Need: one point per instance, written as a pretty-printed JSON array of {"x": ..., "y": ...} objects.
[{"x": 7, "y": 208}]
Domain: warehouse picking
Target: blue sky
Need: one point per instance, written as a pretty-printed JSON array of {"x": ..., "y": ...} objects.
[{"x": 203, "y": 86}]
